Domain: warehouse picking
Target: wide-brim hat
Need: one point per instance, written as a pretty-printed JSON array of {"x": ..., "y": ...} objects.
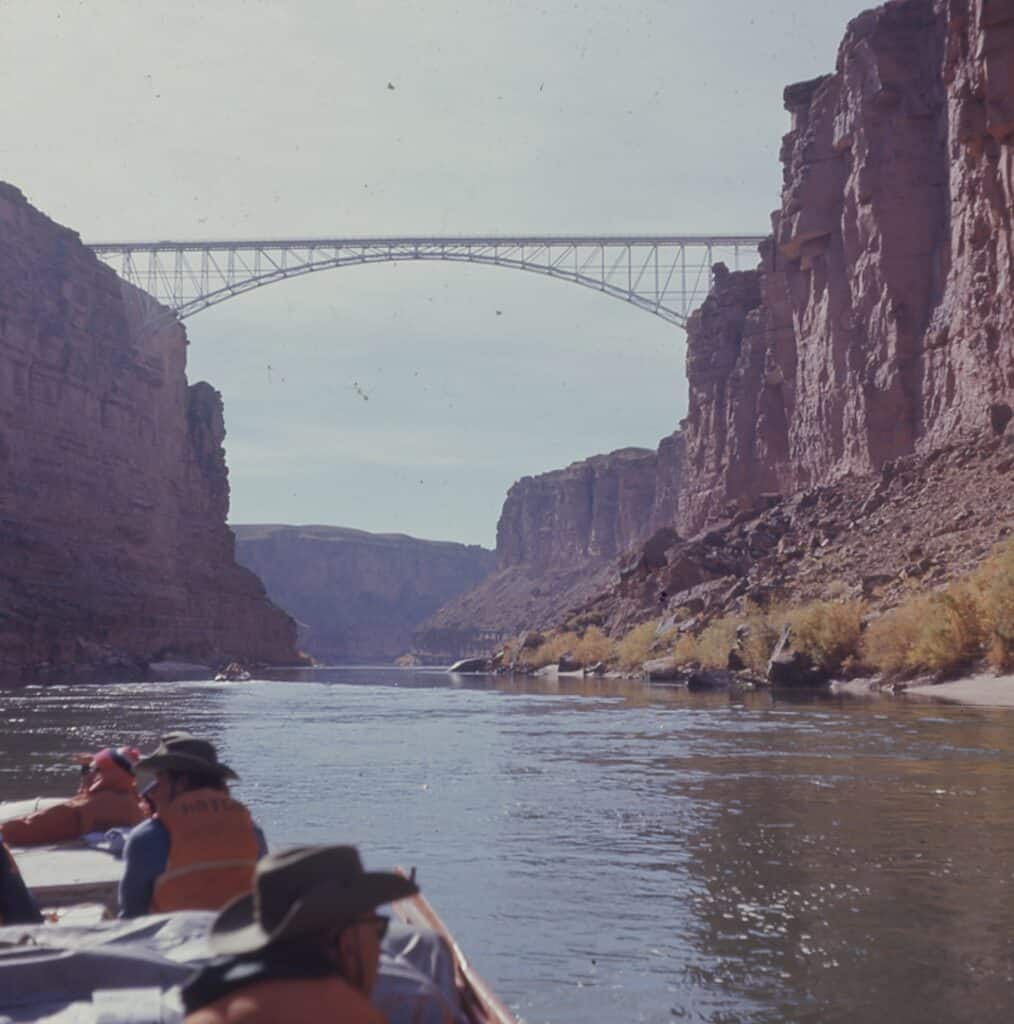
[
  {"x": 303, "y": 892},
  {"x": 181, "y": 752}
]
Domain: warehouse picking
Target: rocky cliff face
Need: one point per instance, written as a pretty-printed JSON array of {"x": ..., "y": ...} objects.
[
  {"x": 590, "y": 511},
  {"x": 558, "y": 538},
  {"x": 357, "y": 595},
  {"x": 881, "y": 319},
  {"x": 113, "y": 485}
]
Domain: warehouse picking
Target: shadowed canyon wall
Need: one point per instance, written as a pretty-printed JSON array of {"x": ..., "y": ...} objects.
[
  {"x": 113, "y": 485},
  {"x": 881, "y": 319},
  {"x": 558, "y": 538},
  {"x": 358, "y": 596}
]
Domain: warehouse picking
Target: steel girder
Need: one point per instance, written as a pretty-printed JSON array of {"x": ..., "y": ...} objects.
[{"x": 667, "y": 275}]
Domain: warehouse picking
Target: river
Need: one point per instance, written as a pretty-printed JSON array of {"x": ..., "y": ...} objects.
[{"x": 614, "y": 852}]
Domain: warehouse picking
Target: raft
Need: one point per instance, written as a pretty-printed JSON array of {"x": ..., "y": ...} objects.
[{"x": 86, "y": 967}]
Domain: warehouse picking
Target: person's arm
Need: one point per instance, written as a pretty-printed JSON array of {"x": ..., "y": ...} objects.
[{"x": 144, "y": 858}]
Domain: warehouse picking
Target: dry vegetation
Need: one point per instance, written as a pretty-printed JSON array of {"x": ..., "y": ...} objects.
[{"x": 943, "y": 632}]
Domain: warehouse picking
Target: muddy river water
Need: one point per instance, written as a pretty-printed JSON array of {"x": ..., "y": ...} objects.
[{"x": 611, "y": 852}]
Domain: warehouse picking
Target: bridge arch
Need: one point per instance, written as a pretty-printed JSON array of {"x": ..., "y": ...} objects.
[{"x": 665, "y": 275}]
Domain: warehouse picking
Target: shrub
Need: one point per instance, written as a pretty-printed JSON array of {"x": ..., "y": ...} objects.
[
  {"x": 552, "y": 649},
  {"x": 891, "y": 637},
  {"x": 950, "y": 632},
  {"x": 763, "y": 627},
  {"x": 594, "y": 646},
  {"x": 685, "y": 649},
  {"x": 995, "y": 584},
  {"x": 637, "y": 646},
  {"x": 716, "y": 641},
  {"x": 937, "y": 633},
  {"x": 828, "y": 631}
]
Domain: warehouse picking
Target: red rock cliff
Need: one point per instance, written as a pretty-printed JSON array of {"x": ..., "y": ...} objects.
[
  {"x": 113, "y": 485},
  {"x": 881, "y": 319},
  {"x": 558, "y": 539},
  {"x": 592, "y": 510}
]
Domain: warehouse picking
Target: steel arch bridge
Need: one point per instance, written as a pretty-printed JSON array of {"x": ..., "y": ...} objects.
[{"x": 666, "y": 275}]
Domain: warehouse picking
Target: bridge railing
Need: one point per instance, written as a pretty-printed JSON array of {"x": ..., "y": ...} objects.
[{"x": 666, "y": 275}]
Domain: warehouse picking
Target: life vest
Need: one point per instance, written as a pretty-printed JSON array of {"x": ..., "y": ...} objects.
[
  {"x": 93, "y": 811},
  {"x": 295, "y": 1001},
  {"x": 213, "y": 851}
]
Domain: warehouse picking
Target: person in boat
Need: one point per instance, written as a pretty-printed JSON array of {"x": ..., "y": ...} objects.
[
  {"x": 16, "y": 903},
  {"x": 303, "y": 946},
  {"x": 200, "y": 848},
  {"x": 106, "y": 798},
  {"x": 146, "y": 800}
]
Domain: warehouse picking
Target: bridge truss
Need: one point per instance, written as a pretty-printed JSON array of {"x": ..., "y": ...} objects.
[{"x": 667, "y": 275}]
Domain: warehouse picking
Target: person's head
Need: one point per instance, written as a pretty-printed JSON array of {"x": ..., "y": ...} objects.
[
  {"x": 110, "y": 768},
  {"x": 182, "y": 763},
  {"x": 313, "y": 898}
]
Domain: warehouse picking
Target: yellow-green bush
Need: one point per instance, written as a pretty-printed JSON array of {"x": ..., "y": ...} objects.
[
  {"x": 594, "y": 646},
  {"x": 995, "y": 586},
  {"x": 715, "y": 642},
  {"x": 637, "y": 646},
  {"x": 552, "y": 649},
  {"x": 828, "y": 631},
  {"x": 935, "y": 633},
  {"x": 763, "y": 628},
  {"x": 685, "y": 649},
  {"x": 890, "y": 637}
]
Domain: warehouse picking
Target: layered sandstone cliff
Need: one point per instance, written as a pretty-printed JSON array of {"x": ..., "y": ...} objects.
[
  {"x": 358, "y": 596},
  {"x": 558, "y": 539},
  {"x": 113, "y": 485},
  {"x": 881, "y": 319}
]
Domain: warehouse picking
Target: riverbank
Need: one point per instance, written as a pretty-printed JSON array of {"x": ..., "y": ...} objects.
[{"x": 983, "y": 690}]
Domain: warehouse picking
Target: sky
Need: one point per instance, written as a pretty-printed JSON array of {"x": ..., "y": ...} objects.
[{"x": 394, "y": 397}]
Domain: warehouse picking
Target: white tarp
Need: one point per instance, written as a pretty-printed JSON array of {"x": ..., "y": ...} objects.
[{"x": 129, "y": 972}]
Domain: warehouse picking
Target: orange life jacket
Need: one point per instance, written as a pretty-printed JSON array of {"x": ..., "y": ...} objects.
[
  {"x": 292, "y": 1001},
  {"x": 93, "y": 811},
  {"x": 212, "y": 852}
]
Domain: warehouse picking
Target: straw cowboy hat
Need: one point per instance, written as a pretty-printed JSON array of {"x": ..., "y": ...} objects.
[
  {"x": 301, "y": 893},
  {"x": 181, "y": 752}
]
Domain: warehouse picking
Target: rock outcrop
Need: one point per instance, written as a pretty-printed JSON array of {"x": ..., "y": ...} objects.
[
  {"x": 921, "y": 521},
  {"x": 590, "y": 511},
  {"x": 881, "y": 319},
  {"x": 357, "y": 595},
  {"x": 113, "y": 485},
  {"x": 558, "y": 539}
]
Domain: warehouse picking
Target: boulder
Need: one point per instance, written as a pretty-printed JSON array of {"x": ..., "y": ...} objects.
[
  {"x": 664, "y": 670},
  {"x": 712, "y": 679},
  {"x": 473, "y": 665},
  {"x": 792, "y": 668}
]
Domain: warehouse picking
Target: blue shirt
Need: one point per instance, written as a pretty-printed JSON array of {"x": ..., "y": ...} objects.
[{"x": 145, "y": 858}]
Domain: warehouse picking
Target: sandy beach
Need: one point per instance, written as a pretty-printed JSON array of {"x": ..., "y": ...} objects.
[{"x": 980, "y": 690}]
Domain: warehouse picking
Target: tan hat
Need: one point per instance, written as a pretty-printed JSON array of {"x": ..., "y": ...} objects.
[
  {"x": 301, "y": 893},
  {"x": 182, "y": 752}
]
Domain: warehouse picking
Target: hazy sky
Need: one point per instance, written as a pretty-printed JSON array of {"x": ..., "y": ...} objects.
[{"x": 130, "y": 119}]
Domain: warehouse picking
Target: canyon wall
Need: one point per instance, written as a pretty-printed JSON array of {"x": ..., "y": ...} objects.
[
  {"x": 358, "y": 596},
  {"x": 881, "y": 319},
  {"x": 558, "y": 539},
  {"x": 113, "y": 485}
]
